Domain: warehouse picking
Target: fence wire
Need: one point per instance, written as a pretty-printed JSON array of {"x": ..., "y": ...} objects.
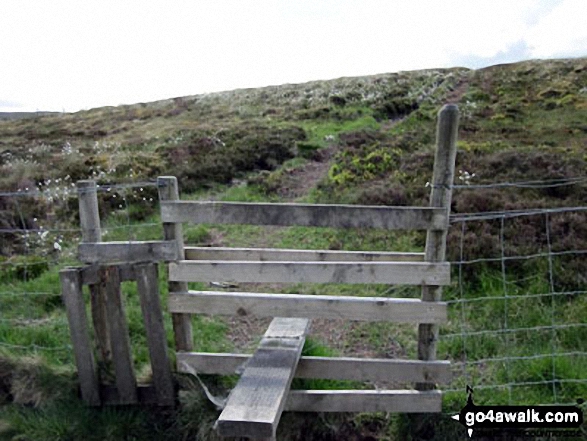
[
  {"x": 532, "y": 347},
  {"x": 36, "y": 236},
  {"x": 516, "y": 323}
]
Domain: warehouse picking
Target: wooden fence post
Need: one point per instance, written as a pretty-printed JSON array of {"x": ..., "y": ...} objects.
[
  {"x": 440, "y": 196},
  {"x": 126, "y": 382},
  {"x": 148, "y": 287},
  {"x": 91, "y": 232},
  {"x": 71, "y": 287},
  {"x": 182, "y": 325}
]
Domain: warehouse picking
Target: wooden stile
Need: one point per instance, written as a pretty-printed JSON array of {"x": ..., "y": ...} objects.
[
  {"x": 408, "y": 273},
  {"x": 309, "y": 215},
  {"x": 255, "y": 405},
  {"x": 308, "y": 306}
]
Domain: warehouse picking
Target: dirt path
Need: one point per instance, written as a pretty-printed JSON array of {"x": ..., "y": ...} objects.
[
  {"x": 456, "y": 95},
  {"x": 300, "y": 181},
  {"x": 244, "y": 332}
]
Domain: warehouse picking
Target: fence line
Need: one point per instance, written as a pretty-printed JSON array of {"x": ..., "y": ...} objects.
[{"x": 470, "y": 358}]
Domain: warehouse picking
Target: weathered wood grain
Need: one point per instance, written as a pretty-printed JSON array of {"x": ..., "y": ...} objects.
[
  {"x": 90, "y": 273},
  {"x": 172, "y": 230},
  {"x": 331, "y": 368},
  {"x": 91, "y": 232},
  {"x": 440, "y": 196},
  {"x": 147, "y": 284},
  {"x": 308, "y": 306},
  {"x": 71, "y": 288},
  {"x": 130, "y": 251},
  {"x": 284, "y": 255},
  {"x": 405, "y": 273},
  {"x": 401, "y": 401},
  {"x": 310, "y": 215},
  {"x": 121, "y": 354},
  {"x": 255, "y": 405}
]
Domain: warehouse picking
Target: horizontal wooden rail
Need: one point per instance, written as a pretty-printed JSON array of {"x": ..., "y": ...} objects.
[
  {"x": 308, "y": 306},
  {"x": 330, "y": 368},
  {"x": 285, "y": 255},
  {"x": 401, "y": 273},
  {"x": 401, "y": 401},
  {"x": 130, "y": 251},
  {"x": 309, "y": 215}
]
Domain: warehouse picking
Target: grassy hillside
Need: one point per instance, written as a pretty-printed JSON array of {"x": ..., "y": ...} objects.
[{"x": 365, "y": 140}]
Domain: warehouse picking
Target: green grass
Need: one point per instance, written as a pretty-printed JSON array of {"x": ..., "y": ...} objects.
[
  {"x": 318, "y": 131},
  {"x": 519, "y": 122}
]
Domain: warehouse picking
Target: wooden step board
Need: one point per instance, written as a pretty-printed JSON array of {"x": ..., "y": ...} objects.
[
  {"x": 255, "y": 405},
  {"x": 308, "y": 306}
]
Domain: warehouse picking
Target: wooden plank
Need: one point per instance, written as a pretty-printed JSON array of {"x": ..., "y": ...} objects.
[
  {"x": 408, "y": 273},
  {"x": 309, "y": 215},
  {"x": 285, "y": 255},
  {"x": 401, "y": 401},
  {"x": 308, "y": 306},
  {"x": 254, "y": 406},
  {"x": 90, "y": 274},
  {"x": 71, "y": 288},
  {"x": 331, "y": 368},
  {"x": 130, "y": 251},
  {"x": 147, "y": 283},
  {"x": 90, "y": 225},
  {"x": 182, "y": 324},
  {"x": 440, "y": 196},
  {"x": 121, "y": 354}
]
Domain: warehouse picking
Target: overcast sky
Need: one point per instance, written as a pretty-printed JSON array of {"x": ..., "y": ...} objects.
[{"x": 79, "y": 54}]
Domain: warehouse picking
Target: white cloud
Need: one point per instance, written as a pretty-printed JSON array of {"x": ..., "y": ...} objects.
[
  {"x": 563, "y": 32},
  {"x": 71, "y": 54}
]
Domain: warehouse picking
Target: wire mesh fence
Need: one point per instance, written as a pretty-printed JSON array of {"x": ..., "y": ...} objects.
[
  {"x": 519, "y": 326},
  {"x": 518, "y": 306}
]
